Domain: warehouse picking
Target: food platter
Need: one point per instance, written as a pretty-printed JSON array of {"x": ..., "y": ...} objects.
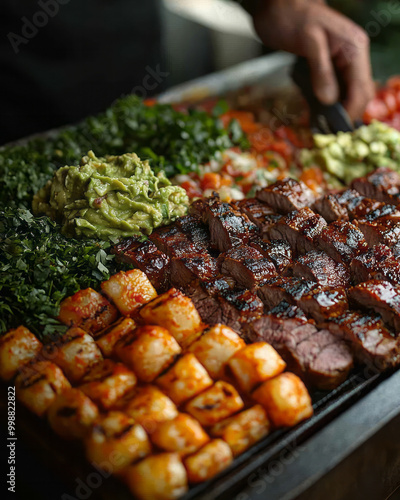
[{"x": 317, "y": 446}]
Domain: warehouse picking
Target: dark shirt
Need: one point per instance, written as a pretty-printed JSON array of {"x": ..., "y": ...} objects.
[{"x": 57, "y": 67}]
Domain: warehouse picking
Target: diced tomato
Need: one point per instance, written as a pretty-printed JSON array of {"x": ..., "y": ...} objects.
[
  {"x": 226, "y": 180},
  {"x": 283, "y": 148},
  {"x": 394, "y": 82},
  {"x": 261, "y": 140},
  {"x": 231, "y": 170},
  {"x": 285, "y": 132},
  {"x": 210, "y": 180},
  {"x": 394, "y": 121},
  {"x": 314, "y": 179},
  {"x": 192, "y": 189},
  {"x": 376, "y": 110},
  {"x": 245, "y": 188},
  {"x": 245, "y": 119},
  {"x": 388, "y": 96},
  {"x": 150, "y": 102}
]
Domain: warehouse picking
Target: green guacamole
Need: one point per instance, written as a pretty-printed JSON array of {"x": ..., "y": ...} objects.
[
  {"x": 110, "y": 198},
  {"x": 349, "y": 155}
]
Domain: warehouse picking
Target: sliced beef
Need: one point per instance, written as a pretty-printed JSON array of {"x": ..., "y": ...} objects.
[
  {"x": 195, "y": 230},
  {"x": 186, "y": 269},
  {"x": 377, "y": 263},
  {"x": 323, "y": 304},
  {"x": 383, "y": 185},
  {"x": 239, "y": 307},
  {"x": 278, "y": 251},
  {"x": 379, "y": 211},
  {"x": 370, "y": 341},
  {"x": 329, "y": 207},
  {"x": 247, "y": 266},
  {"x": 205, "y": 299},
  {"x": 171, "y": 241},
  {"x": 319, "y": 267},
  {"x": 286, "y": 289},
  {"x": 259, "y": 213},
  {"x": 286, "y": 195},
  {"x": 342, "y": 241},
  {"x": 384, "y": 230},
  {"x": 299, "y": 228},
  {"x": 148, "y": 258},
  {"x": 380, "y": 296}
]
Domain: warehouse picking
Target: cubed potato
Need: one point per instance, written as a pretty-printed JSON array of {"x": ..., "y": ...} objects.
[
  {"x": 185, "y": 379},
  {"x": 183, "y": 435},
  {"x": 75, "y": 353},
  {"x": 37, "y": 385},
  {"x": 158, "y": 477},
  {"x": 148, "y": 351},
  {"x": 244, "y": 429},
  {"x": 106, "y": 382},
  {"x": 214, "y": 348},
  {"x": 72, "y": 414},
  {"x": 150, "y": 407},
  {"x": 115, "y": 442},
  {"x": 107, "y": 338},
  {"x": 206, "y": 463},
  {"x": 177, "y": 313},
  {"x": 254, "y": 364},
  {"x": 17, "y": 347},
  {"x": 216, "y": 403},
  {"x": 129, "y": 290},
  {"x": 286, "y": 400},
  {"x": 87, "y": 309}
]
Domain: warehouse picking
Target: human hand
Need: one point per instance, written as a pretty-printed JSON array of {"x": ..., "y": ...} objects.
[{"x": 328, "y": 40}]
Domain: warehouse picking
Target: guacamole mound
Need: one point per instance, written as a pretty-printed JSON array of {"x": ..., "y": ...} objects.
[
  {"x": 110, "y": 198},
  {"x": 349, "y": 155}
]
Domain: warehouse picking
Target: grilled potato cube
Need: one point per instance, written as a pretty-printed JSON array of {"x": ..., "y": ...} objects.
[
  {"x": 37, "y": 385},
  {"x": 214, "y": 348},
  {"x": 206, "y": 463},
  {"x": 75, "y": 353},
  {"x": 107, "y": 338},
  {"x": 177, "y": 313},
  {"x": 17, "y": 347},
  {"x": 216, "y": 403},
  {"x": 183, "y": 435},
  {"x": 185, "y": 379},
  {"x": 286, "y": 400},
  {"x": 106, "y": 382},
  {"x": 87, "y": 309},
  {"x": 129, "y": 290},
  {"x": 148, "y": 351},
  {"x": 149, "y": 407},
  {"x": 158, "y": 477},
  {"x": 244, "y": 429},
  {"x": 116, "y": 441},
  {"x": 72, "y": 414},
  {"x": 255, "y": 363}
]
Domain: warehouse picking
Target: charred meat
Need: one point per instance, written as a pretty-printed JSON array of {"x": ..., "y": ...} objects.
[{"x": 286, "y": 195}]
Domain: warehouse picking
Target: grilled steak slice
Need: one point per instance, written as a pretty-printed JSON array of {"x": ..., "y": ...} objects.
[
  {"x": 186, "y": 269},
  {"x": 171, "y": 241},
  {"x": 205, "y": 300},
  {"x": 330, "y": 209},
  {"x": 377, "y": 263},
  {"x": 247, "y": 266},
  {"x": 342, "y": 241},
  {"x": 380, "y": 296},
  {"x": 324, "y": 303},
  {"x": 370, "y": 341},
  {"x": 259, "y": 213},
  {"x": 285, "y": 289},
  {"x": 383, "y": 185},
  {"x": 299, "y": 228},
  {"x": 286, "y": 195},
  {"x": 278, "y": 251},
  {"x": 319, "y": 267},
  {"x": 384, "y": 230},
  {"x": 239, "y": 307},
  {"x": 195, "y": 230},
  {"x": 146, "y": 256}
]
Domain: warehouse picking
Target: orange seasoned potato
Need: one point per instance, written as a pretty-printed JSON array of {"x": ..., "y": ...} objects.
[
  {"x": 107, "y": 338},
  {"x": 115, "y": 442},
  {"x": 244, "y": 429},
  {"x": 177, "y": 313},
  {"x": 148, "y": 351},
  {"x": 106, "y": 382},
  {"x": 206, "y": 463},
  {"x": 17, "y": 347},
  {"x": 286, "y": 400},
  {"x": 255, "y": 363},
  {"x": 214, "y": 348},
  {"x": 75, "y": 353},
  {"x": 149, "y": 407},
  {"x": 87, "y": 309},
  {"x": 129, "y": 290},
  {"x": 37, "y": 385},
  {"x": 183, "y": 435},
  {"x": 185, "y": 379},
  {"x": 72, "y": 414},
  {"x": 216, "y": 403},
  {"x": 158, "y": 477}
]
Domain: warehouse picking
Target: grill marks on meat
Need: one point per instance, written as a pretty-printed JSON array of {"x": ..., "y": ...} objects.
[
  {"x": 319, "y": 267},
  {"x": 278, "y": 251},
  {"x": 247, "y": 266},
  {"x": 286, "y": 289},
  {"x": 330, "y": 209},
  {"x": 286, "y": 195},
  {"x": 195, "y": 230},
  {"x": 377, "y": 263},
  {"x": 385, "y": 230},
  {"x": 383, "y": 185},
  {"x": 300, "y": 229},
  {"x": 259, "y": 213},
  {"x": 322, "y": 304},
  {"x": 342, "y": 241},
  {"x": 380, "y": 296}
]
